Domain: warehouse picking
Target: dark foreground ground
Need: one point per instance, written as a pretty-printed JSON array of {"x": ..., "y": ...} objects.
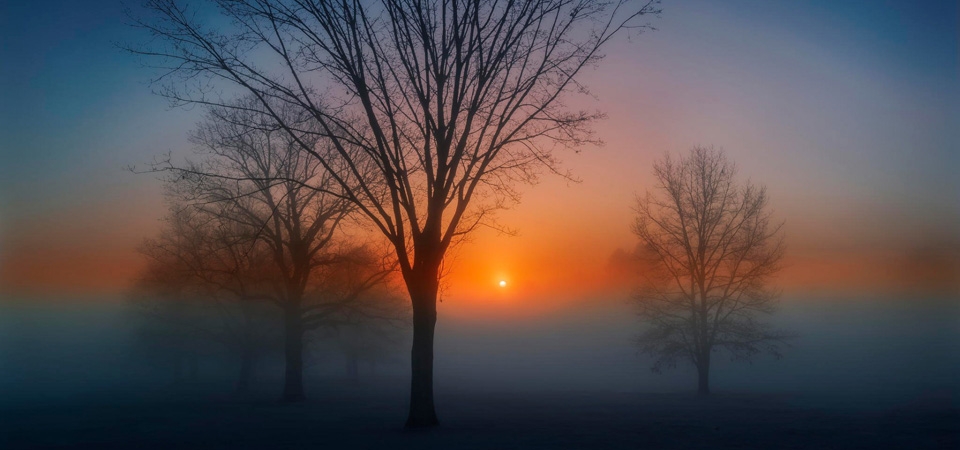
[{"x": 359, "y": 419}]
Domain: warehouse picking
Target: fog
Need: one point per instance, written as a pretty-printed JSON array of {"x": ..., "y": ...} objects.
[{"x": 849, "y": 353}]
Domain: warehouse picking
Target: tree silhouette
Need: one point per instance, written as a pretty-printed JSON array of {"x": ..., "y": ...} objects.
[
  {"x": 434, "y": 108},
  {"x": 203, "y": 284},
  {"x": 252, "y": 177},
  {"x": 711, "y": 248}
]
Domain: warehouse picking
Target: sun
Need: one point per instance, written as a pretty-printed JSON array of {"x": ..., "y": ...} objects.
[{"x": 503, "y": 283}]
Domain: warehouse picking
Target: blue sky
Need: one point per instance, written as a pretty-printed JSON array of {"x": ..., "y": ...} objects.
[{"x": 848, "y": 111}]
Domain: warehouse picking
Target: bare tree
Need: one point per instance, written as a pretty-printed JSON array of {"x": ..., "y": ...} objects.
[
  {"x": 434, "y": 108},
  {"x": 203, "y": 284},
  {"x": 712, "y": 248},
  {"x": 253, "y": 176}
]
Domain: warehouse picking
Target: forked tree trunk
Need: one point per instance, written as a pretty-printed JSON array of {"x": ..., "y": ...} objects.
[
  {"x": 293, "y": 355},
  {"x": 423, "y": 293}
]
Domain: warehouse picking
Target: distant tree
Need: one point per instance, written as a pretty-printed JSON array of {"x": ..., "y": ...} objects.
[
  {"x": 365, "y": 323},
  {"x": 358, "y": 291},
  {"x": 711, "y": 248},
  {"x": 374, "y": 326},
  {"x": 434, "y": 109},
  {"x": 253, "y": 177},
  {"x": 203, "y": 285}
]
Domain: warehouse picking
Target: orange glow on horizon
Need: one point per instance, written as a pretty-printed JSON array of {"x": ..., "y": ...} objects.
[{"x": 561, "y": 256}]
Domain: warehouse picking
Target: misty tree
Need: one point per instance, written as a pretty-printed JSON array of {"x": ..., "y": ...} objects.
[
  {"x": 434, "y": 109},
  {"x": 373, "y": 327},
  {"x": 252, "y": 175},
  {"x": 365, "y": 322},
  {"x": 203, "y": 284},
  {"x": 711, "y": 249}
]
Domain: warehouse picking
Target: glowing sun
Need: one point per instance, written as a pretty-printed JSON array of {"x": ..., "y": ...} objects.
[{"x": 503, "y": 283}]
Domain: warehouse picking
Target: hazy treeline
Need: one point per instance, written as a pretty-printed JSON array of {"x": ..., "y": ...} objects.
[{"x": 258, "y": 257}]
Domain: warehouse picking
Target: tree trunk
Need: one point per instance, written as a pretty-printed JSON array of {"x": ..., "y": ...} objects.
[
  {"x": 423, "y": 283},
  {"x": 703, "y": 372},
  {"x": 293, "y": 355},
  {"x": 422, "y": 412},
  {"x": 424, "y": 299}
]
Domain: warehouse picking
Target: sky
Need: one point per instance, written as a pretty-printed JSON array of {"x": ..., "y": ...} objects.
[{"x": 846, "y": 111}]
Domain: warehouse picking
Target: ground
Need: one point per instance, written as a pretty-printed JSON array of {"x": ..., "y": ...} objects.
[{"x": 360, "y": 418}]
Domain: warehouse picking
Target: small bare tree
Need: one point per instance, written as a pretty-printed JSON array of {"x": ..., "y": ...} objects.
[{"x": 711, "y": 249}]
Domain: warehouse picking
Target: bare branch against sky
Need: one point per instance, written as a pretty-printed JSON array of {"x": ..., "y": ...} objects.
[{"x": 434, "y": 109}]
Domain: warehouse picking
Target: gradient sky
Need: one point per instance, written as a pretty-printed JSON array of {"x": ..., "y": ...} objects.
[{"x": 847, "y": 111}]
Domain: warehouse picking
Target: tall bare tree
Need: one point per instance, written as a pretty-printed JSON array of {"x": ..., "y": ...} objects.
[
  {"x": 435, "y": 108},
  {"x": 712, "y": 248}
]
